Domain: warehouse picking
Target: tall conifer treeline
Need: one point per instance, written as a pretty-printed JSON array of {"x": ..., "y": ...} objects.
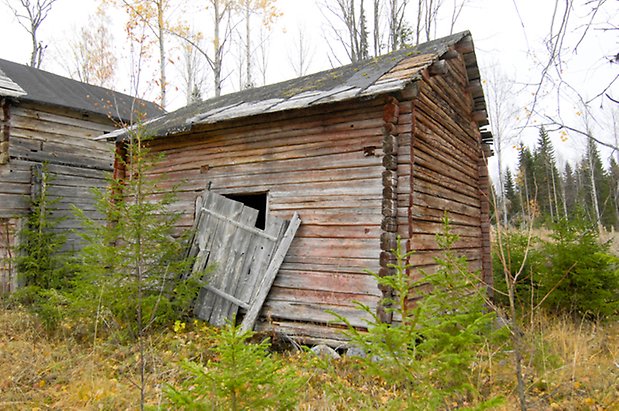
[{"x": 585, "y": 190}]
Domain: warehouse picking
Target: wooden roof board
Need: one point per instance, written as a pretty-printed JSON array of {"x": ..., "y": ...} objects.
[
  {"x": 375, "y": 76},
  {"x": 47, "y": 88},
  {"x": 8, "y": 88}
]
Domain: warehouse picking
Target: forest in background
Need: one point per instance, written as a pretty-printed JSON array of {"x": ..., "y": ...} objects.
[{"x": 539, "y": 188}]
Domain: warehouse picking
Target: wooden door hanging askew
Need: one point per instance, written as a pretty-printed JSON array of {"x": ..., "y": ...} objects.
[{"x": 246, "y": 259}]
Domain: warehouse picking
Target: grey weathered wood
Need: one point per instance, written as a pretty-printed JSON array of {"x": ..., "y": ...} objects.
[
  {"x": 229, "y": 257},
  {"x": 267, "y": 282},
  {"x": 220, "y": 239},
  {"x": 260, "y": 261},
  {"x": 239, "y": 224},
  {"x": 243, "y": 255},
  {"x": 206, "y": 228},
  {"x": 228, "y": 297}
]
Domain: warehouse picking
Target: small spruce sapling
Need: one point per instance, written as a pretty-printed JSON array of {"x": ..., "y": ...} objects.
[
  {"x": 132, "y": 264},
  {"x": 42, "y": 266},
  {"x": 431, "y": 351},
  {"x": 240, "y": 376},
  {"x": 41, "y": 262},
  {"x": 579, "y": 275}
]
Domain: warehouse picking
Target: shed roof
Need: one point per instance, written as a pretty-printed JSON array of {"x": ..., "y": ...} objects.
[
  {"x": 392, "y": 72},
  {"x": 32, "y": 84}
]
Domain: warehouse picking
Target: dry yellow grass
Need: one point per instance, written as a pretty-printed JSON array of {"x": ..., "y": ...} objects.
[{"x": 568, "y": 366}]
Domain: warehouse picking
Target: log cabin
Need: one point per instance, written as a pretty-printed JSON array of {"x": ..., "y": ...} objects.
[
  {"x": 364, "y": 153},
  {"x": 46, "y": 118}
]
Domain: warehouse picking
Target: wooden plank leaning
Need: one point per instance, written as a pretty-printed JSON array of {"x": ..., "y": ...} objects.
[{"x": 263, "y": 289}]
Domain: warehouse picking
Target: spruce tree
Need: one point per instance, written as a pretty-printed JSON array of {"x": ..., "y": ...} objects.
[
  {"x": 613, "y": 178},
  {"x": 547, "y": 178},
  {"x": 526, "y": 180},
  {"x": 513, "y": 205},
  {"x": 572, "y": 191},
  {"x": 598, "y": 201}
]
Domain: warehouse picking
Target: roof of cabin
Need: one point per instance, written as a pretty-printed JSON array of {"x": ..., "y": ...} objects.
[
  {"x": 372, "y": 77},
  {"x": 32, "y": 84}
]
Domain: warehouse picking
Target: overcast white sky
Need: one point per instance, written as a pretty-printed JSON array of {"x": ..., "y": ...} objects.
[{"x": 507, "y": 33}]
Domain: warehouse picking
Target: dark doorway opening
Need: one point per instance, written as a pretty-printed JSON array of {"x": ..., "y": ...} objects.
[{"x": 257, "y": 201}]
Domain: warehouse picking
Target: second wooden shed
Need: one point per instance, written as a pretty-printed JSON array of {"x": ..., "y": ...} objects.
[{"x": 49, "y": 119}]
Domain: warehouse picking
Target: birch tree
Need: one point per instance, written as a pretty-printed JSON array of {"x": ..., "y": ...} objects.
[
  {"x": 91, "y": 57},
  {"x": 501, "y": 93},
  {"x": 267, "y": 12},
  {"x": 346, "y": 21},
  {"x": 572, "y": 27},
  {"x": 220, "y": 20},
  {"x": 300, "y": 55},
  {"x": 31, "y": 14},
  {"x": 390, "y": 30},
  {"x": 156, "y": 17},
  {"x": 397, "y": 37},
  {"x": 192, "y": 70}
]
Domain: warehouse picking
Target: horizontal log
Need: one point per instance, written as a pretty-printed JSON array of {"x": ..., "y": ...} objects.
[
  {"x": 335, "y": 297},
  {"x": 351, "y": 201},
  {"x": 326, "y": 247},
  {"x": 315, "y": 313},
  {"x": 435, "y": 214},
  {"x": 447, "y": 205},
  {"x": 52, "y": 114},
  {"x": 362, "y": 284},
  {"x": 428, "y": 227},
  {"x": 66, "y": 159},
  {"x": 338, "y": 264},
  {"x": 219, "y": 177},
  {"x": 305, "y": 333},
  {"x": 428, "y": 242},
  {"x": 367, "y": 232}
]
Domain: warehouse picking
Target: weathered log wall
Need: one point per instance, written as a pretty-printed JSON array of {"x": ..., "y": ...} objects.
[
  {"x": 324, "y": 163},
  {"x": 444, "y": 175},
  {"x": 61, "y": 138}
]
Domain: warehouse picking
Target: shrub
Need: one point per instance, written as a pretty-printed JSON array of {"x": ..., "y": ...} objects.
[
  {"x": 573, "y": 272},
  {"x": 518, "y": 253},
  {"x": 41, "y": 262},
  {"x": 578, "y": 274}
]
